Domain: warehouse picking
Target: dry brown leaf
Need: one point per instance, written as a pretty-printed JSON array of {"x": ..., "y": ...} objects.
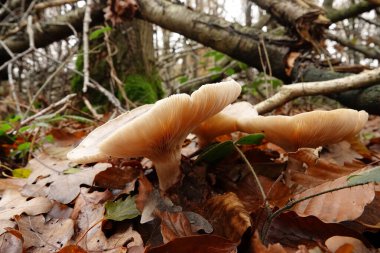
[
  {"x": 291, "y": 230},
  {"x": 48, "y": 178},
  {"x": 258, "y": 247},
  {"x": 85, "y": 198},
  {"x": 318, "y": 170},
  {"x": 343, "y": 205},
  {"x": 342, "y": 153},
  {"x": 13, "y": 203},
  {"x": 117, "y": 177},
  {"x": 11, "y": 183},
  {"x": 197, "y": 244},
  {"x": 174, "y": 225},
  {"x": 228, "y": 216},
  {"x": 42, "y": 235},
  {"x": 6, "y": 224},
  {"x": 336, "y": 244},
  {"x": 72, "y": 249},
  {"x": 89, "y": 223},
  {"x": 11, "y": 242},
  {"x": 371, "y": 216}
]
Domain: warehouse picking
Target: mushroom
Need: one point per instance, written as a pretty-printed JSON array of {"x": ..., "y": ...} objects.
[
  {"x": 158, "y": 133},
  {"x": 88, "y": 150},
  {"x": 310, "y": 129},
  {"x": 224, "y": 122}
]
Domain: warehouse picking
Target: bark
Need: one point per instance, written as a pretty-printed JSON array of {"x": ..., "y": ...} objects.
[
  {"x": 350, "y": 12},
  {"x": 303, "y": 17}
]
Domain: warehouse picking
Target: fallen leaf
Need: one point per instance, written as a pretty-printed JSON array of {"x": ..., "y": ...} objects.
[
  {"x": 11, "y": 242},
  {"x": 228, "y": 216},
  {"x": 120, "y": 209},
  {"x": 13, "y": 203},
  {"x": 42, "y": 235},
  {"x": 117, "y": 177},
  {"x": 291, "y": 231},
  {"x": 174, "y": 225},
  {"x": 85, "y": 198},
  {"x": 72, "y": 249},
  {"x": 92, "y": 237},
  {"x": 6, "y": 224},
  {"x": 340, "y": 205},
  {"x": 48, "y": 178},
  {"x": 336, "y": 243},
  {"x": 197, "y": 244}
]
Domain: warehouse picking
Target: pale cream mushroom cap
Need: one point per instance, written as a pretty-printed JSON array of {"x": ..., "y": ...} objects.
[
  {"x": 224, "y": 122},
  {"x": 159, "y": 133},
  {"x": 310, "y": 129},
  {"x": 88, "y": 150}
]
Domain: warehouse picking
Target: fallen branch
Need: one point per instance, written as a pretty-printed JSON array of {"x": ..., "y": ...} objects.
[{"x": 292, "y": 91}]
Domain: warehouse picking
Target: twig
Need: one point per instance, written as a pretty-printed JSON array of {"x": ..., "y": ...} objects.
[
  {"x": 54, "y": 3},
  {"x": 44, "y": 85},
  {"x": 92, "y": 109},
  {"x": 289, "y": 92},
  {"x": 13, "y": 88},
  {"x": 29, "y": 30},
  {"x": 47, "y": 109},
  {"x": 86, "y": 46}
]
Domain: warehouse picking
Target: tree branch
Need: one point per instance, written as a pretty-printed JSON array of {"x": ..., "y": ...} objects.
[
  {"x": 350, "y": 12},
  {"x": 289, "y": 92}
]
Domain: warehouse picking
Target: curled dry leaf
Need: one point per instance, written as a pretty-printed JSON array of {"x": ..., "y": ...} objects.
[
  {"x": 11, "y": 242},
  {"x": 42, "y": 235},
  {"x": 13, "y": 203},
  {"x": 339, "y": 242},
  {"x": 259, "y": 247},
  {"x": 197, "y": 244},
  {"x": 228, "y": 216},
  {"x": 72, "y": 249},
  {"x": 341, "y": 205}
]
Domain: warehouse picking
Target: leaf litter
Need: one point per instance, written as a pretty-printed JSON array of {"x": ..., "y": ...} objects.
[{"x": 117, "y": 206}]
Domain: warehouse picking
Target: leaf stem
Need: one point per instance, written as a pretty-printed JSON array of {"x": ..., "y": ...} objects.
[
  {"x": 261, "y": 189},
  {"x": 292, "y": 203}
]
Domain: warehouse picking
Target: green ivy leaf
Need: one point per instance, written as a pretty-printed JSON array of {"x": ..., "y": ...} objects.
[
  {"x": 21, "y": 172},
  {"x": 216, "y": 152},
  {"x": 368, "y": 176},
  {"x": 98, "y": 33},
  {"x": 252, "y": 139},
  {"x": 121, "y": 209}
]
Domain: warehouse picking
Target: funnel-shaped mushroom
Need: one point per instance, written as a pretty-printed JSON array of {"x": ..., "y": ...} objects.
[
  {"x": 159, "y": 133},
  {"x": 224, "y": 122},
  {"x": 88, "y": 150},
  {"x": 310, "y": 129}
]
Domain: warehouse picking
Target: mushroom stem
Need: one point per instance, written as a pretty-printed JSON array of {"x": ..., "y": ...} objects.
[{"x": 168, "y": 169}]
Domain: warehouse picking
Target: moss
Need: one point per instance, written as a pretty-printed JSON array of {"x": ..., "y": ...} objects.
[{"x": 142, "y": 89}]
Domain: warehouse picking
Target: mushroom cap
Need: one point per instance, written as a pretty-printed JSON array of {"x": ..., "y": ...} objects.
[
  {"x": 88, "y": 150},
  {"x": 224, "y": 122},
  {"x": 310, "y": 129},
  {"x": 159, "y": 133}
]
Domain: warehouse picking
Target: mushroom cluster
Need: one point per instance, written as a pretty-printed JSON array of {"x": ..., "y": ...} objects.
[{"x": 158, "y": 131}]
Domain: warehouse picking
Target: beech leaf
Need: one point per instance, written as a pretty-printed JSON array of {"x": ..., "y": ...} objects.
[
  {"x": 367, "y": 176},
  {"x": 216, "y": 152},
  {"x": 21, "y": 172},
  {"x": 121, "y": 209}
]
